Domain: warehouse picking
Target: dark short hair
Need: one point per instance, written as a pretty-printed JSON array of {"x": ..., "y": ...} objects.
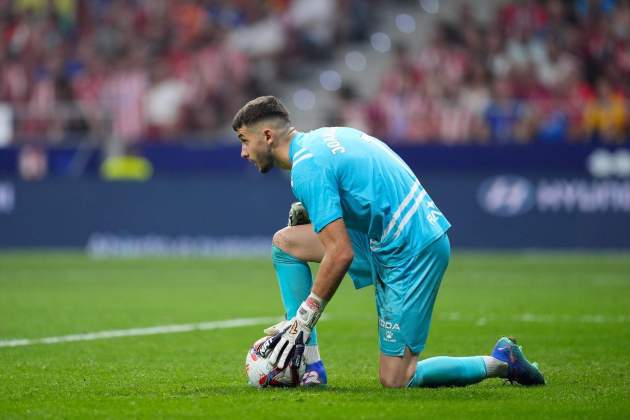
[{"x": 259, "y": 109}]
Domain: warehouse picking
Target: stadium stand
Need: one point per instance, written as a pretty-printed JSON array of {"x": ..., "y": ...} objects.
[
  {"x": 539, "y": 71},
  {"x": 547, "y": 71},
  {"x": 154, "y": 69}
]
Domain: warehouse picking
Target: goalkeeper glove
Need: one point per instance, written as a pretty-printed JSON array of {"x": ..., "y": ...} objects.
[
  {"x": 298, "y": 215},
  {"x": 282, "y": 345}
]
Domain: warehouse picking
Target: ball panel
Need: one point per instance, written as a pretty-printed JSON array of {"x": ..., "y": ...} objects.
[{"x": 261, "y": 374}]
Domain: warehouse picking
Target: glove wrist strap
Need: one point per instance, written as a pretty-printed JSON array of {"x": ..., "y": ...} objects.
[
  {"x": 315, "y": 301},
  {"x": 310, "y": 310}
]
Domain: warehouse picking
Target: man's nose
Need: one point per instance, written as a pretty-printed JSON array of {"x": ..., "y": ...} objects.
[{"x": 243, "y": 152}]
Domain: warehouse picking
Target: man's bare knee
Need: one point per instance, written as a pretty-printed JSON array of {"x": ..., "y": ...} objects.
[
  {"x": 280, "y": 239},
  {"x": 299, "y": 241},
  {"x": 392, "y": 382},
  {"x": 395, "y": 372},
  {"x": 392, "y": 379}
]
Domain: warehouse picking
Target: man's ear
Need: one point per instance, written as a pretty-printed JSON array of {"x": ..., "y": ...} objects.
[{"x": 268, "y": 133}]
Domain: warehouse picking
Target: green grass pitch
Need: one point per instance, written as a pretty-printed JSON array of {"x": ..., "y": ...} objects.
[{"x": 571, "y": 312}]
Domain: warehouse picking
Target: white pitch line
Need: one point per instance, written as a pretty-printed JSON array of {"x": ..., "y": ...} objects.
[
  {"x": 244, "y": 322},
  {"x": 134, "y": 332}
]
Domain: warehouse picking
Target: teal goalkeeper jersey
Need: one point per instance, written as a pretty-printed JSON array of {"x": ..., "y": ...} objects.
[{"x": 341, "y": 172}]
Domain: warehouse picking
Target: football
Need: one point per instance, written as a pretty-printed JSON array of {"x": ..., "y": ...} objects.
[{"x": 261, "y": 374}]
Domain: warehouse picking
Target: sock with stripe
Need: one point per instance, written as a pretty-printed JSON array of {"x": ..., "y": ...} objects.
[{"x": 295, "y": 281}]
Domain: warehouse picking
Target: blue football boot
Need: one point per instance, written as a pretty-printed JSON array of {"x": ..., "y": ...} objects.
[
  {"x": 519, "y": 368},
  {"x": 315, "y": 375}
]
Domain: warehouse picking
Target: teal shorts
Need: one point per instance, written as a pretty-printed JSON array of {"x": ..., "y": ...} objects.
[
  {"x": 405, "y": 295},
  {"x": 361, "y": 270}
]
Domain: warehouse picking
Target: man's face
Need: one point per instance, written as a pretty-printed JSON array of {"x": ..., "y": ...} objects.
[{"x": 256, "y": 147}]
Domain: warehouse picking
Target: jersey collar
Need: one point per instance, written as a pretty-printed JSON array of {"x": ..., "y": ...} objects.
[{"x": 296, "y": 144}]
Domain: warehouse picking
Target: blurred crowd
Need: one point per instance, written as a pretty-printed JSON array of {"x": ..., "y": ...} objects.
[
  {"x": 154, "y": 69},
  {"x": 143, "y": 70},
  {"x": 542, "y": 71}
]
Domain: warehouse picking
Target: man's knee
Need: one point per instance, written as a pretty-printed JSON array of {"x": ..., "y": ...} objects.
[
  {"x": 282, "y": 240},
  {"x": 394, "y": 378},
  {"x": 396, "y": 372},
  {"x": 393, "y": 381}
]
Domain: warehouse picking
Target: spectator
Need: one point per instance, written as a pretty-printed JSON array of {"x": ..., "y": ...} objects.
[
  {"x": 456, "y": 122},
  {"x": 506, "y": 116},
  {"x": 551, "y": 118},
  {"x": 163, "y": 102},
  {"x": 605, "y": 115},
  {"x": 123, "y": 95},
  {"x": 576, "y": 94},
  {"x": 475, "y": 98},
  {"x": 555, "y": 66},
  {"x": 87, "y": 88}
]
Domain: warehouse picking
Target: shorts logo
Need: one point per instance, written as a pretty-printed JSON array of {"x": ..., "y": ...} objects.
[
  {"x": 388, "y": 325},
  {"x": 389, "y": 328}
]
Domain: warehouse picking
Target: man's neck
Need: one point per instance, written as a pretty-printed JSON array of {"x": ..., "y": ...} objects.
[{"x": 283, "y": 159}]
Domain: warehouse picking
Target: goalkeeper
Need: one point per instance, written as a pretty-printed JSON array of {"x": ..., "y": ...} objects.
[{"x": 369, "y": 217}]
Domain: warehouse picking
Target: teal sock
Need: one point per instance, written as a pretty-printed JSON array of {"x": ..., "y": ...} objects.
[
  {"x": 449, "y": 371},
  {"x": 295, "y": 281}
]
